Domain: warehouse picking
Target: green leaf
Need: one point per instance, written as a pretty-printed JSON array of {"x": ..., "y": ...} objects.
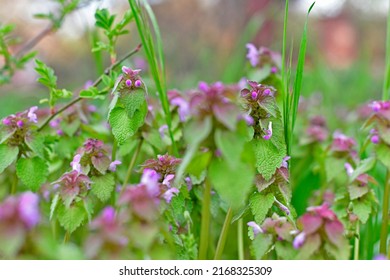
[
  {"x": 32, "y": 172},
  {"x": 232, "y": 184},
  {"x": 383, "y": 154},
  {"x": 196, "y": 131},
  {"x": 122, "y": 126},
  {"x": 334, "y": 167},
  {"x": 5, "y": 133},
  {"x": 231, "y": 145},
  {"x": 260, "y": 205},
  {"x": 71, "y": 218},
  {"x": 132, "y": 100},
  {"x": 103, "y": 19},
  {"x": 199, "y": 163},
  {"x": 285, "y": 251},
  {"x": 362, "y": 209},
  {"x": 36, "y": 143},
  {"x": 90, "y": 93},
  {"x": 103, "y": 186},
  {"x": 364, "y": 166},
  {"x": 356, "y": 191},
  {"x": 261, "y": 245},
  {"x": 8, "y": 155},
  {"x": 47, "y": 76}
]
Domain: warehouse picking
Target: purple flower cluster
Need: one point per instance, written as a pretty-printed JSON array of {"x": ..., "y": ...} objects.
[
  {"x": 320, "y": 222},
  {"x": 317, "y": 130},
  {"x": 277, "y": 226},
  {"x": 343, "y": 144},
  {"x": 258, "y": 102},
  {"x": 16, "y": 127},
  {"x": 263, "y": 56}
]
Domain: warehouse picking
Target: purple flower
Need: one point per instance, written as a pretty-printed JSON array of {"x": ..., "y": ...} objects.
[
  {"x": 129, "y": 83},
  {"x": 183, "y": 106},
  {"x": 167, "y": 180},
  {"x": 375, "y": 139},
  {"x": 268, "y": 132},
  {"x": 380, "y": 257},
  {"x": 282, "y": 207},
  {"x": 168, "y": 195},
  {"x": 75, "y": 164},
  {"x": 348, "y": 167},
  {"x": 342, "y": 143},
  {"x": 113, "y": 165},
  {"x": 284, "y": 162},
  {"x": 150, "y": 178},
  {"x": 20, "y": 123},
  {"x": 138, "y": 83},
  {"x": 55, "y": 123},
  {"x": 29, "y": 209},
  {"x": 31, "y": 114},
  {"x": 299, "y": 240},
  {"x": 252, "y": 55},
  {"x": 7, "y": 121},
  {"x": 189, "y": 183},
  {"x": 255, "y": 227},
  {"x": 163, "y": 165},
  {"x": 162, "y": 130}
]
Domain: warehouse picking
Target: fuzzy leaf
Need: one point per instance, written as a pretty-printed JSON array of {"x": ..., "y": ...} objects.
[
  {"x": 362, "y": 209},
  {"x": 233, "y": 185},
  {"x": 231, "y": 144},
  {"x": 270, "y": 153},
  {"x": 103, "y": 186},
  {"x": 261, "y": 245},
  {"x": 8, "y": 155},
  {"x": 32, "y": 172},
  {"x": 122, "y": 126},
  {"x": 356, "y": 191},
  {"x": 364, "y": 166},
  {"x": 195, "y": 132},
  {"x": 285, "y": 251},
  {"x": 260, "y": 205},
  {"x": 71, "y": 218},
  {"x": 37, "y": 144},
  {"x": 132, "y": 100}
]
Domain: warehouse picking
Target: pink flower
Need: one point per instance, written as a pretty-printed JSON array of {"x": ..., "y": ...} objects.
[
  {"x": 167, "y": 180},
  {"x": 268, "y": 132},
  {"x": 162, "y": 130},
  {"x": 255, "y": 227},
  {"x": 113, "y": 165},
  {"x": 75, "y": 164},
  {"x": 348, "y": 168},
  {"x": 252, "y": 55},
  {"x": 31, "y": 114},
  {"x": 299, "y": 240},
  {"x": 168, "y": 195},
  {"x": 150, "y": 178}
]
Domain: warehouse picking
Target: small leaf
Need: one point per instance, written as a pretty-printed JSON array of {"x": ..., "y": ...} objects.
[
  {"x": 71, "y": 218},
  {"x": 195, "y": 131},
  {"x": 383, "y": 154},
  {"x": 334, "y": 167},
  {"x": 356, "y": 191},
  {"x": 364, "y": 166},
  {"x": 36, "y": 143},
  {"x": 32, "y": 172},
  {"x": 103, "y": 186},
  {"x": 260, "y": 205},
  {"x": 362, "y": 209},
  {"x": 8, "y": 155}
]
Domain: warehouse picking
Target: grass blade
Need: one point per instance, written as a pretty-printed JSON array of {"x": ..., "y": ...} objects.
[{"x": 386, "y": 82}]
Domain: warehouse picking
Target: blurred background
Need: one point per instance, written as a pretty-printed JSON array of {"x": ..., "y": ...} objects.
[{"x": 205, "y": 40}]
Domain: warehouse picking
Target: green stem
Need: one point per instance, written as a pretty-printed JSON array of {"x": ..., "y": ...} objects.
[
  {"x": 357, "y": 241},
  {"x": 240, "y": 241},
  {"x": 67, "y": 237},
  {"x": 132, "y": 163},
  {"x": 14, "y": 184},
  {"x": 114, "y": 149},
  {"x": 223, "y": 235},
  {"x": 205, "y": 224},
  {"x": 385, "y": 216}
]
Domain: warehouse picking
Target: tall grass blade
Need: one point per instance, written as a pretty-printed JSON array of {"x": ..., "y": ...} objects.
[
  {"x": 284, "y": 79},
  {"x": 154, "y": 56},
  {"x": 298, "y": 76},
  {"x": 386, "y": 82}
]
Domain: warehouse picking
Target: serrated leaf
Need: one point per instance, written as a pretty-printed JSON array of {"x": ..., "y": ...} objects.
[
  {"x": 132, "y": 100},
  {"x": 270, "y": 153},
  {"x": 285, "y": 251},
  {"x": 8, "y": 155},
  {"x": 260, "y": 205},
  {"x": 103, "y": 186},
  {"x": 362, "y": 209},
  {"x": 356, "y": 191},
  {"x": 36, "y": 143},
  {"x": 5, "y": 133},
  {"x": 261, "y": 245},
  {"x": 233, "y": 185},
  {"x": 71, "y": 218},
  {"x": 32, "y": 172},
  {"x": 122, "y": 126}
]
